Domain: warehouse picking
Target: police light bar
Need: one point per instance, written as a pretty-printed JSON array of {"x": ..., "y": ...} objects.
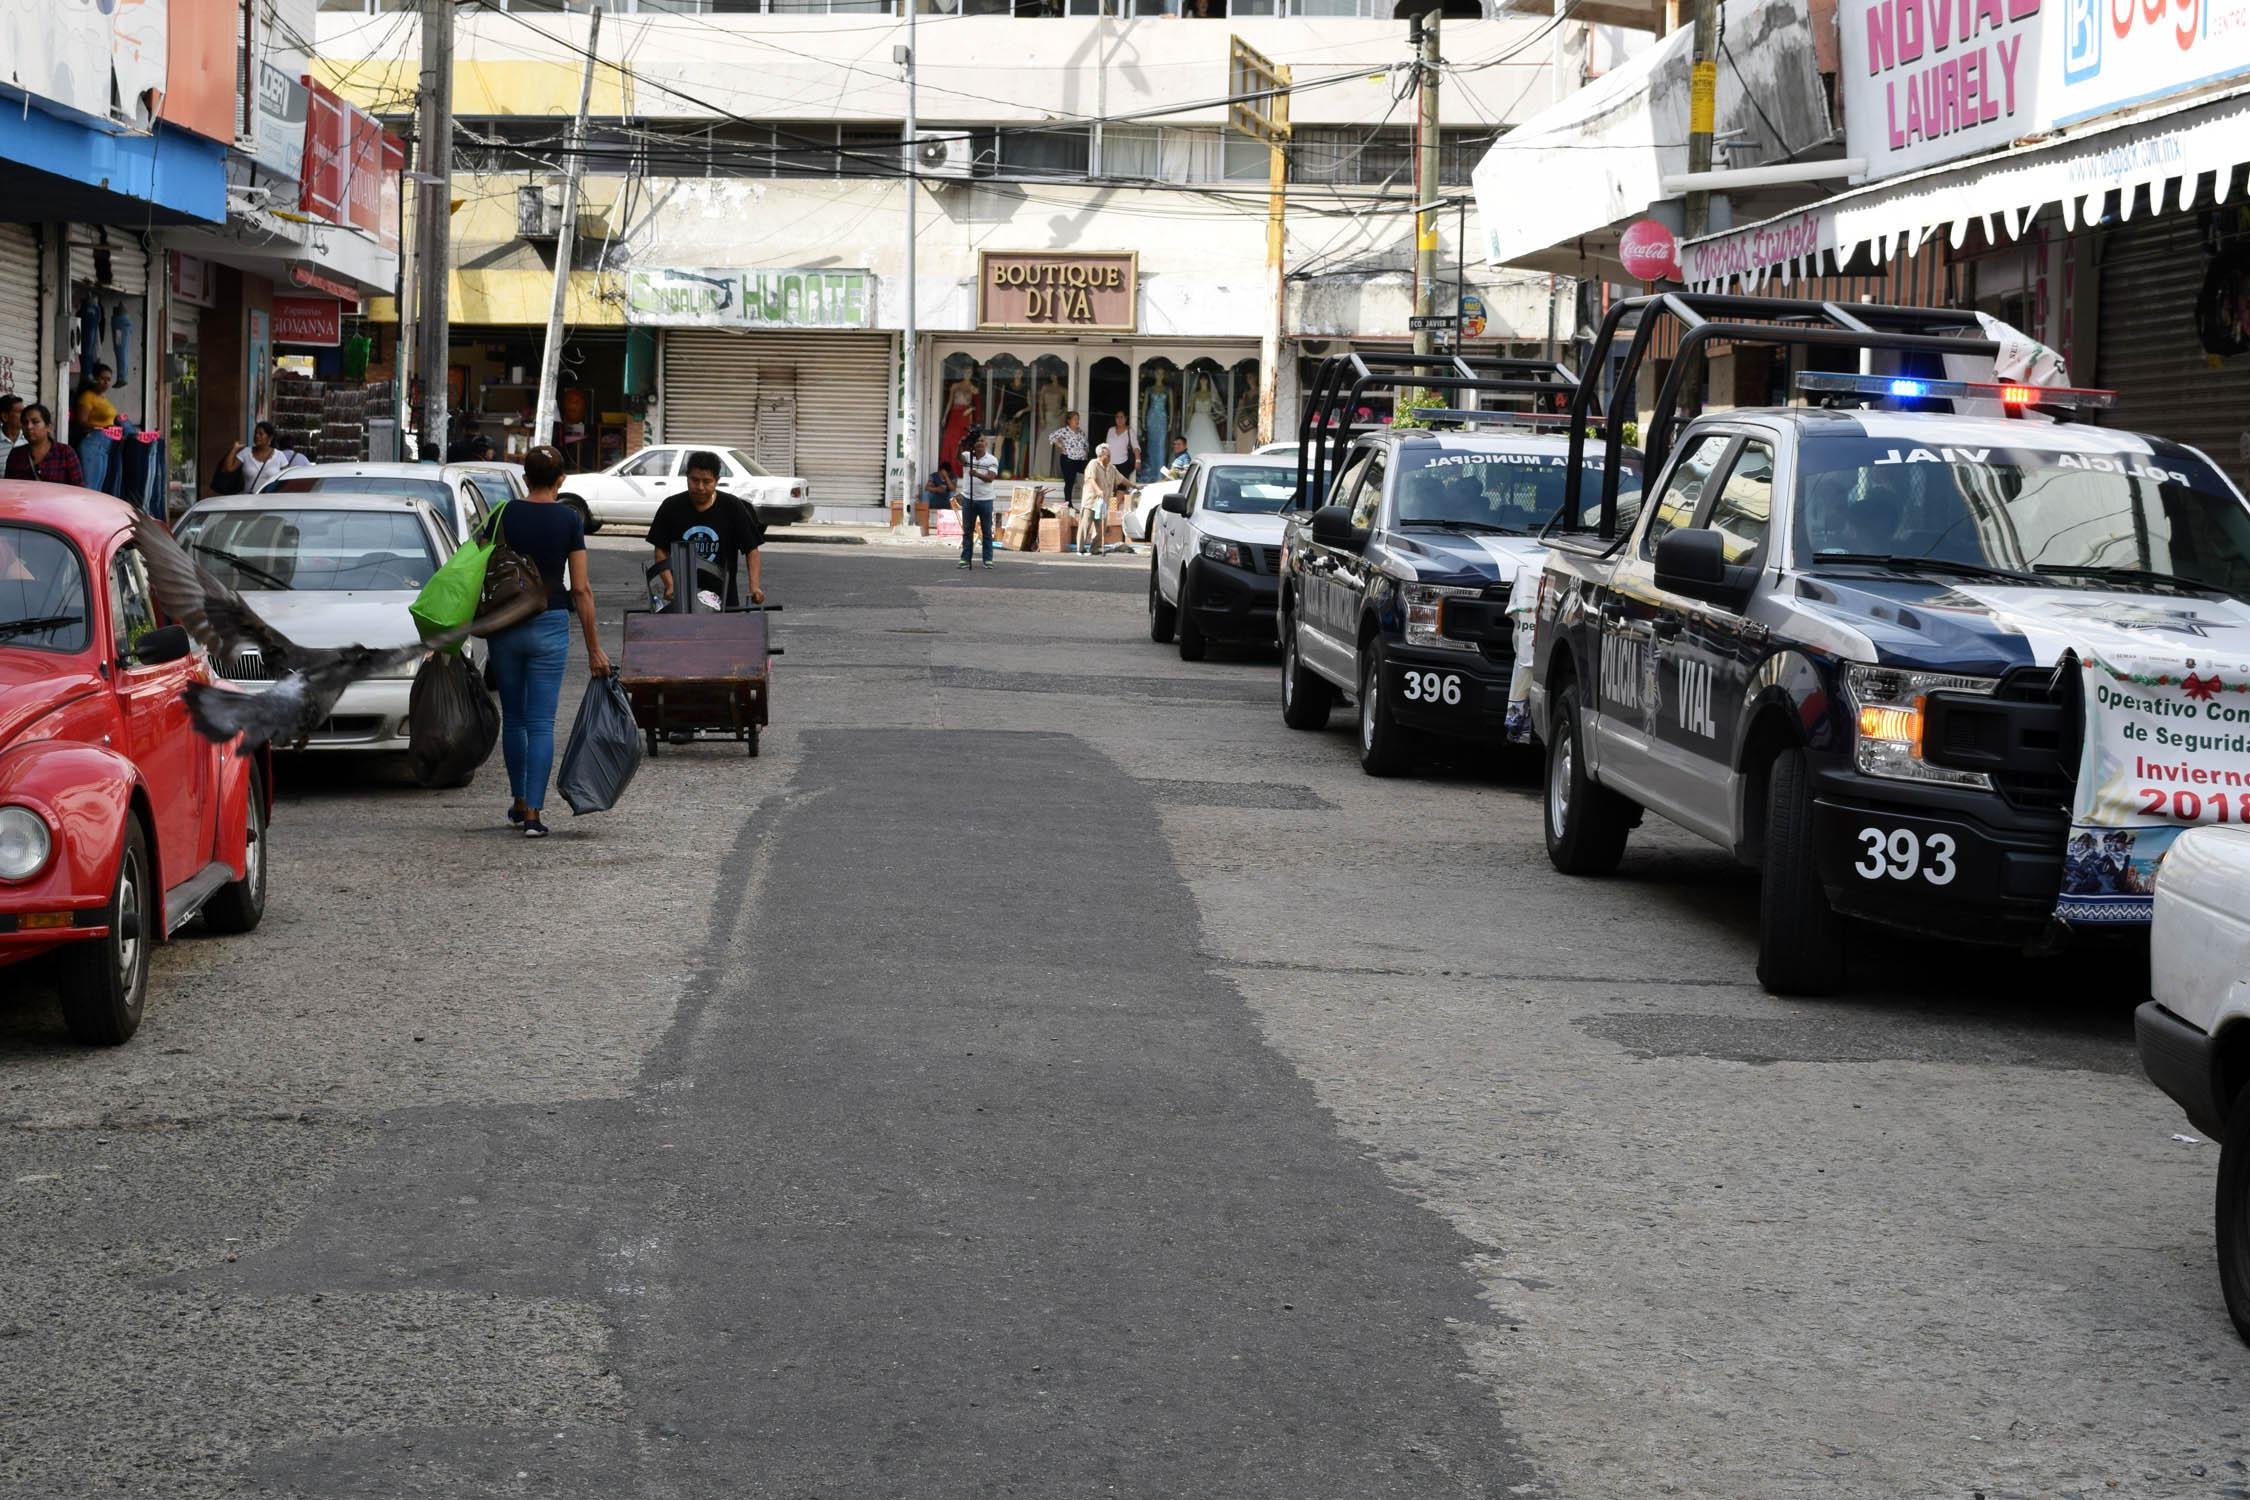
[{"x": 1914, "y": 387}]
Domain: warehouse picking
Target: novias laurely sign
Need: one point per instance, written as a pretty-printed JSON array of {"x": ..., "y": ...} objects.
[
  {"x": 1081, "y": 291},
  {"x": 732, "y": 297}
]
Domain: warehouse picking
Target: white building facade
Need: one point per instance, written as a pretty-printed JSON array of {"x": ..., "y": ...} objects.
[{"x": 1089, "y": 233}]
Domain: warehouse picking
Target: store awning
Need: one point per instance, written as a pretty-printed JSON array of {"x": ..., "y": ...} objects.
[
  {"x": 1553, "y": 193},
  {"x": 56, "y": 169},
  {"x": 520, "y": 299},
  {"x": 2164, "y": 151}
]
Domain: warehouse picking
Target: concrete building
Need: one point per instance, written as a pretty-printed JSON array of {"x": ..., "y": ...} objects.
[{"x": 742, "y": 270}]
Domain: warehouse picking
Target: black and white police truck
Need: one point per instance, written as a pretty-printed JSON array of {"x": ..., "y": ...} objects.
[
  {"x": 1410, "y": 551},
  {"x": 1837, "y": 638}
]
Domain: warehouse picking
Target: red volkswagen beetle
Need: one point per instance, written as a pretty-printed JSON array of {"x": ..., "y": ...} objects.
[{"x": 118, "y": 822}]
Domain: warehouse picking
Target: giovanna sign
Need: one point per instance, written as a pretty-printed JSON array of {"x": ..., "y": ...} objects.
[
  {"x": 1084, "y": 291},
  {"x": 732, "y": 297}
]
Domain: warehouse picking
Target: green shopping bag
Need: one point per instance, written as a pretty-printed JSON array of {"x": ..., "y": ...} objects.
[{"x": 449, "y": 599}]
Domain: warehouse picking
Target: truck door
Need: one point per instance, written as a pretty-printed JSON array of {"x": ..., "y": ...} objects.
[
  {"x": 1707, "y": 650},
  {"x": 1317, "y": 642},
  {"x": 1626, "y": 690},
  {"x": 1354, "y": 574}
]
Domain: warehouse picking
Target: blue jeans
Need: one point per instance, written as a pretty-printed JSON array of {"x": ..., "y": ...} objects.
[
  {"x": 529, "y": 660},
  {"x": 975, "y": 513}
]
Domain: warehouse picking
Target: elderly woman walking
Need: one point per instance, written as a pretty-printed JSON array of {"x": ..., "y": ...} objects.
[{"x": 529, "y": 658}]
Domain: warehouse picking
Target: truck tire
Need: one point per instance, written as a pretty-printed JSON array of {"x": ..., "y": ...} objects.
[
  {"x": 2234, "y": 1215},
  {"x": 1800, "y": 936},
  {"x": 1193, "y": 646},
  {"x": 240, "y": 905},
  {"x": 1306, "y": 696},
  {"x": 1162, "y": 617},
  {"x": 1386, "y": 748},
  {"x": 1586, "y": 822},
  {"x": 104, "y": 982}
]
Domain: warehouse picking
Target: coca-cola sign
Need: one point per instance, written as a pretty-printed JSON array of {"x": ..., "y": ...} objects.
[{"x": 1649, "y": 251}]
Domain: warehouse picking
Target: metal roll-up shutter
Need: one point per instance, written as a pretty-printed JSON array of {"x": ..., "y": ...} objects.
[
  {"x": 128, "y": 262},
  {"x": 2152, "y": 273},
  {"x": 821, "y": 398},
  {"x": 19, "y": 310}
]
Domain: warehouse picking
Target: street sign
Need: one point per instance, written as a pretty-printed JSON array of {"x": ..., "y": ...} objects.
[
  {"x": 1427, "y": 322},
  {"x": 1252, "y": 73}
]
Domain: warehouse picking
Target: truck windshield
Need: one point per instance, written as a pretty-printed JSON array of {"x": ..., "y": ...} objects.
[
  {"x": 1509, "y": 492},
  {"x": 1249, "y": 489},
  {"x": 42, "y": 591},
  {"x": 2069, "y": 513}
]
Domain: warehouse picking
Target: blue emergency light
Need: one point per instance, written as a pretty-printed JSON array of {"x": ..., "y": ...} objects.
[{"x": 2012, "y": 393}]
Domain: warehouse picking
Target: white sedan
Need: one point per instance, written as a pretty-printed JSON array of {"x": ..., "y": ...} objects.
[
  {"x": 461, "y": 494},
  {"x": 326, "y": 569},
  {"x": 628, "y": 491}
]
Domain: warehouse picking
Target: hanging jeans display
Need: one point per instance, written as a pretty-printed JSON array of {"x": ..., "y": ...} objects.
[
  {"x": 142, "y": 458},
  {"x": 95, "y": 451}
]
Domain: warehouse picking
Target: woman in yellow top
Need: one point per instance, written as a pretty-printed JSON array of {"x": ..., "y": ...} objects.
[{"x": 94, "y": 410}]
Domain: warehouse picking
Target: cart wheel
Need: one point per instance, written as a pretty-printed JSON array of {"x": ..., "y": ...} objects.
[
  {"x": 654, "y": 739},
  {"x": 753, "y": 741}
]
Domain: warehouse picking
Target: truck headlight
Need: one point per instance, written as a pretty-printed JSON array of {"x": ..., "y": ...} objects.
[
  {"x": 1425, "y": 615},
  {"x": 1219, "y": 550},
  {"x": 1887, "y": 716},
  {"x": 24, "y": 843}
]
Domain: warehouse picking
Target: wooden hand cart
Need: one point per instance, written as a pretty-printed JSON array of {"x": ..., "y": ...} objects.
[{"x": 702, "y": 671}]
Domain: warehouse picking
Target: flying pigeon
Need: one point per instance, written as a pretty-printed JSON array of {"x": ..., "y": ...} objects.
[{"x": 310, "y": 678}]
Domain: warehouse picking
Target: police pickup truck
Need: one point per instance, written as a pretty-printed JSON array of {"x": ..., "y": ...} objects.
[
  {"x": 1402, "y": 591},
  {"x": 1837, "y": 640}
]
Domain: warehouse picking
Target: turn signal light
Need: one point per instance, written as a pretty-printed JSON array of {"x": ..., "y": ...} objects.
[
  {"x": 1889, "y": 722},
  {"x": 2018, "y": 395},
  {"x": 42, "y": 921}
]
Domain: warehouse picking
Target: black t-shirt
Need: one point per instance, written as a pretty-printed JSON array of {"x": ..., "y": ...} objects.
[
  {"x": 720, "y": 535},
  {"x": 547, "y": 533}
]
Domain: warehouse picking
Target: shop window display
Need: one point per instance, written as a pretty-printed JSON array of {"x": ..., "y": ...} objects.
[
  {"x": 1244, "y": 428},
  {"x": 964, "y": 408},
  {"x": 1007, "y": 408},
  {"x": 1161, "y": 415},
  {"x": 1050, "y": 402}
]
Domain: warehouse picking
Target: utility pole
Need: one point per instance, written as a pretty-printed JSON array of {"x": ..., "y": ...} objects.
[
  {"x": 1258, "y": 107},
  {"x": 1423, "y": 32},
  {"x": 433, "y": 219},
  {"x": 566, "y": 237},
  {"x": 1703, "y": 91},
  {"x": 910, "y": 355}
]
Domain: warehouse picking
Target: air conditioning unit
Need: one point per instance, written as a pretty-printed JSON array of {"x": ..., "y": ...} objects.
[
  {"x": 945, "y": 156},
  {"x": 539, "y": 210}
]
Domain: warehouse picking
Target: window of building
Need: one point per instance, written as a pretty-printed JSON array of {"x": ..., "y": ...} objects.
[
  {"x": 1215, "y": 10},
  {"x": 1353, "y": 156},
  {"x": 1179, "y": 153}
]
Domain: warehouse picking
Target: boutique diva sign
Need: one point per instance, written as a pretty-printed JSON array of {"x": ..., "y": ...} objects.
[{"x": 1072, "y": 291}]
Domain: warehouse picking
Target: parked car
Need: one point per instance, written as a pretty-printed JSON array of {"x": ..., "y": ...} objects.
[
  {"x": 118, "y": 822},
  {"x": 461, "y": 494},
  {"x": 1215, "y": 570},
  {"x": 628, "y": 491},
  {"x": 500, "y": 480},
  {"x": 2193, "y": 1038},
  {"x": 327, "y": 568}
]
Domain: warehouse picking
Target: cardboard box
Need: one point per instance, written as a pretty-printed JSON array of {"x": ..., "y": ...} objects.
[{"x": 1050, "y": 534}]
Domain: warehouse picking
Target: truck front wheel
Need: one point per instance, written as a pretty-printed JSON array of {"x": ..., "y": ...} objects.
[
  {"x": 1586, "y": 821},
  {"x": 1800, "y": 936}
]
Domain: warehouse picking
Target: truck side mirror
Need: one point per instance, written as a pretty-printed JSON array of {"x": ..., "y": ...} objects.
[
  {"x": 1175, "y": 503},
  {"x": 1692, "y": 561},
  {"x": 1332, "y": 527}
]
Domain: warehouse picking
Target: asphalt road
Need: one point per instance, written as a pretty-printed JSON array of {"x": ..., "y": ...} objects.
[{"x": 1041, "y": 1073}]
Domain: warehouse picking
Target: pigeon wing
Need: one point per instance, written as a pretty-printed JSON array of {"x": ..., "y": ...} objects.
[
  {"x": 213, "y": 613},
  {"x": 219, "y": 714}
]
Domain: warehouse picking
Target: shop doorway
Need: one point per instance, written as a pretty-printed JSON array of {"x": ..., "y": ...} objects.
[{"x": 1109, "y": 390}]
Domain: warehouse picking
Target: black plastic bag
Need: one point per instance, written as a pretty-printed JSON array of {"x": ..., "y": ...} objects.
[
  {"x": 452, "y": 722},
  {"x": 604, "y": 749}
]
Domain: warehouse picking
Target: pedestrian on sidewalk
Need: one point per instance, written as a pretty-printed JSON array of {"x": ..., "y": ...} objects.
[
  {"x": 11, "y": 425},
  {"x": 41, "y": 456},
  {"x": 978, "y": 470},
  {"x": 937, "y": 491},
  {"x": 1123, "y": 449},
  {"x": 1071, "y": 446},
  {"x": 245, "y": 471},
  {"x": 528, "y": 659}
]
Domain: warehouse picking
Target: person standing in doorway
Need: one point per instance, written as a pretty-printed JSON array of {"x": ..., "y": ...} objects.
[
  {"x": 719, "y": 527},
  {"x": 528, "y": 659},
  {"x": 1071, "y": 449},
  {"x": 41, "y": 456},
  {"x": 978, "y": 469},
  {"x": 1123, "y": 448},
  {"x": 244, "y": 471}
]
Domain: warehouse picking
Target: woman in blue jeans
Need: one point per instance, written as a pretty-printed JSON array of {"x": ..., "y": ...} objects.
[{"x": 529, "y": 658}]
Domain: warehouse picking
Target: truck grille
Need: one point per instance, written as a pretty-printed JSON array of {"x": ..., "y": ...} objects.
[
  {"x": 1269, "y": 559},
  {"x": 2048, "y": 787},
  {"x": 246, "y": 665}
]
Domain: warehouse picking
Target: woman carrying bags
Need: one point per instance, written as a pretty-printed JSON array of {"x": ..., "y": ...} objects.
[{"x": 528, "y": 659}]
